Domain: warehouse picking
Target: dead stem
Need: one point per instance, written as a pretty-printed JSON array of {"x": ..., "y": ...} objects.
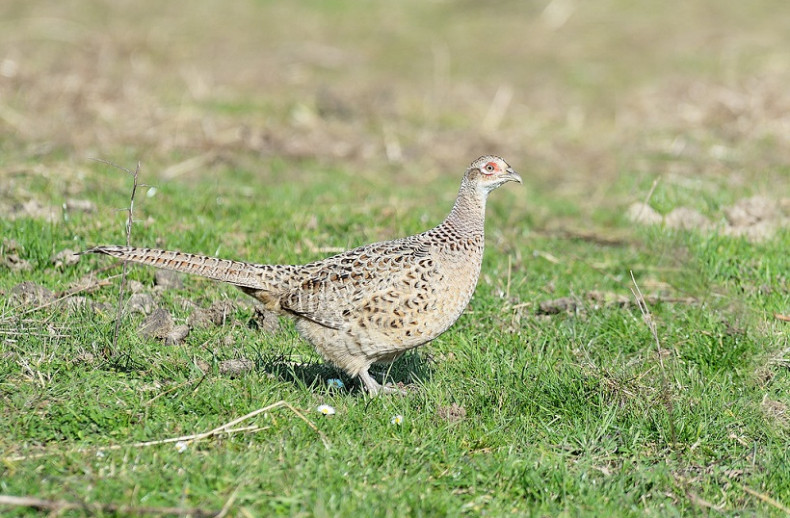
[
  {"x": 665, "y": 395},
  {"x": 129, "y": 222},
  {"x": 226, "y": 428}
]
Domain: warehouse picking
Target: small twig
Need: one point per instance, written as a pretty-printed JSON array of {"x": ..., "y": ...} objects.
[
  {"x": 57, "y": 506},
  {"x": 226, "y": 428},
  {"x": 270, "y": 407},
  {"x": 129, "y": 221},
  {"x": 783, "y": 318}
]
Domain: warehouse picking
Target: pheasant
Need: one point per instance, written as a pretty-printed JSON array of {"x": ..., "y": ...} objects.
[{"x": 370, "y": 304}]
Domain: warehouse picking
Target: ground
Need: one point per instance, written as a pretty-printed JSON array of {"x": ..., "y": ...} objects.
[{"x": 626, "y": 351}]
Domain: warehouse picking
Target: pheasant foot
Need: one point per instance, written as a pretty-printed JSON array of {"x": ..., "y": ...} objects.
[{"x": 374, "y": 388}]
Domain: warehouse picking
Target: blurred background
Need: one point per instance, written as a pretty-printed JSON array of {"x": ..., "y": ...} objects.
[
  {"x": 592, "y": 101},
  {"x": 281, "y": 132}
]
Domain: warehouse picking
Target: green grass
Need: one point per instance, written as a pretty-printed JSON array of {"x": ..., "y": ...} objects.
[{"x": 569, "y": 414}]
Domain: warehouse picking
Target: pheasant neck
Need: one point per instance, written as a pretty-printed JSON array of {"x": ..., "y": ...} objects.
[{"x": 468, "y": 214}]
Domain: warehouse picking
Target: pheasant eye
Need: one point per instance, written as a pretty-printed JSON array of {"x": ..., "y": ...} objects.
[{"x": 490, "y": 167}]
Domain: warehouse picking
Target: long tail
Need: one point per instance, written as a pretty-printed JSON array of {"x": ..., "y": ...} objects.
[{"x": 247, "y": 275}]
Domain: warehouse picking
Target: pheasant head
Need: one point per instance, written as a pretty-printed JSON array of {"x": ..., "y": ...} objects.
[{"x": 489, "y": 172}]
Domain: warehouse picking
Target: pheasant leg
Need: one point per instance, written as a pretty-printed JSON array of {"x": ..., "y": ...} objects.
[{"x": 375, "y": 388}]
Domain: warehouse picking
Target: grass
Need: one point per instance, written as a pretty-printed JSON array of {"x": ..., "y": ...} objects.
[{"x": 343, "y": 137}]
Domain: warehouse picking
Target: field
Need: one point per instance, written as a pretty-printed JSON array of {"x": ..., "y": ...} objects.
[{"x": 626, "y": 352}]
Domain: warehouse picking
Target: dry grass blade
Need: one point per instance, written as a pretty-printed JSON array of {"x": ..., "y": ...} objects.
[
  {"x": 647, "y": 317},
  {"x": 701, "y": 502},
  {"x": 280, "y": 403},
  {"x": 651, "y": 324},
  {"x": 767, "y": 499},
  {"x": 229, "y": 502},
  {"x": 226, "y": 428}
]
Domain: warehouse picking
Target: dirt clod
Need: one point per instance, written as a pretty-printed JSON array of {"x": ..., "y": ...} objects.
[
  {"x": 74, "y": 205},
  {"x": 168, "y": 279},
  {"x": 83, "y": 357},
  {"x": 236, "y": 366},
  {"x": 13, "y": 262},
  {"x": 10, "y": 256},
  {"x": 756, "y": 218},
  {"x": 265, "y": 321},
  {"x": 140, "y": 303},
  {"x": 29, "y": 209},
  {"x": 11, "y": 245},
  {"x": 203, "y": 365},
  {"x": 558, "y": 305},
  {"x": 199, "y": 318},
  {"x": 65, "y": 257},
  {"x": 452, "y": 413},
  {"x": 776, "y": 411},
  {"x": 75, "y": 303},
  {"x": 221, "y": 311},
  {"x": 28, "y": 294},
  {"x": 687, "y": 219},
  {"x": 217, "y": 314},
  {"x": 157, "y": 325},
  {"x": 643, "y": 214},
  {"x": 177, "y": 335},
  {"x": 594, "y": 299}
]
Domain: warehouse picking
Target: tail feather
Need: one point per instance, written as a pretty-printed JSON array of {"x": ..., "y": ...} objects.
[{"x": 259, "y": 277}]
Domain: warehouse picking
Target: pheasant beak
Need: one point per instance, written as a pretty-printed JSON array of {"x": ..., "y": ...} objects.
[{"x": 511, "y": 175}]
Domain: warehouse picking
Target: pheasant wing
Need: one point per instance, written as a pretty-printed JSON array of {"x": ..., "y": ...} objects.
[{"x": 334, "y": 291}]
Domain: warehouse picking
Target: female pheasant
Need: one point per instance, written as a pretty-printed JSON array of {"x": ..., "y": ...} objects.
[{"x": 370, "y": 304}]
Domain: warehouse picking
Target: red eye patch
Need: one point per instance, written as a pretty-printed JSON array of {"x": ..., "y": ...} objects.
[{"x": 490, "y": 168}]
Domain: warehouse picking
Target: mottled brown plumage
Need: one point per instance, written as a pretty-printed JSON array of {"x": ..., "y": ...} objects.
[{"x": 370, "y": 304}]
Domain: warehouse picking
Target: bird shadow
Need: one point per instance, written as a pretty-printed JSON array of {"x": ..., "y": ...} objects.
[{"x": 408, "y": 369}]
